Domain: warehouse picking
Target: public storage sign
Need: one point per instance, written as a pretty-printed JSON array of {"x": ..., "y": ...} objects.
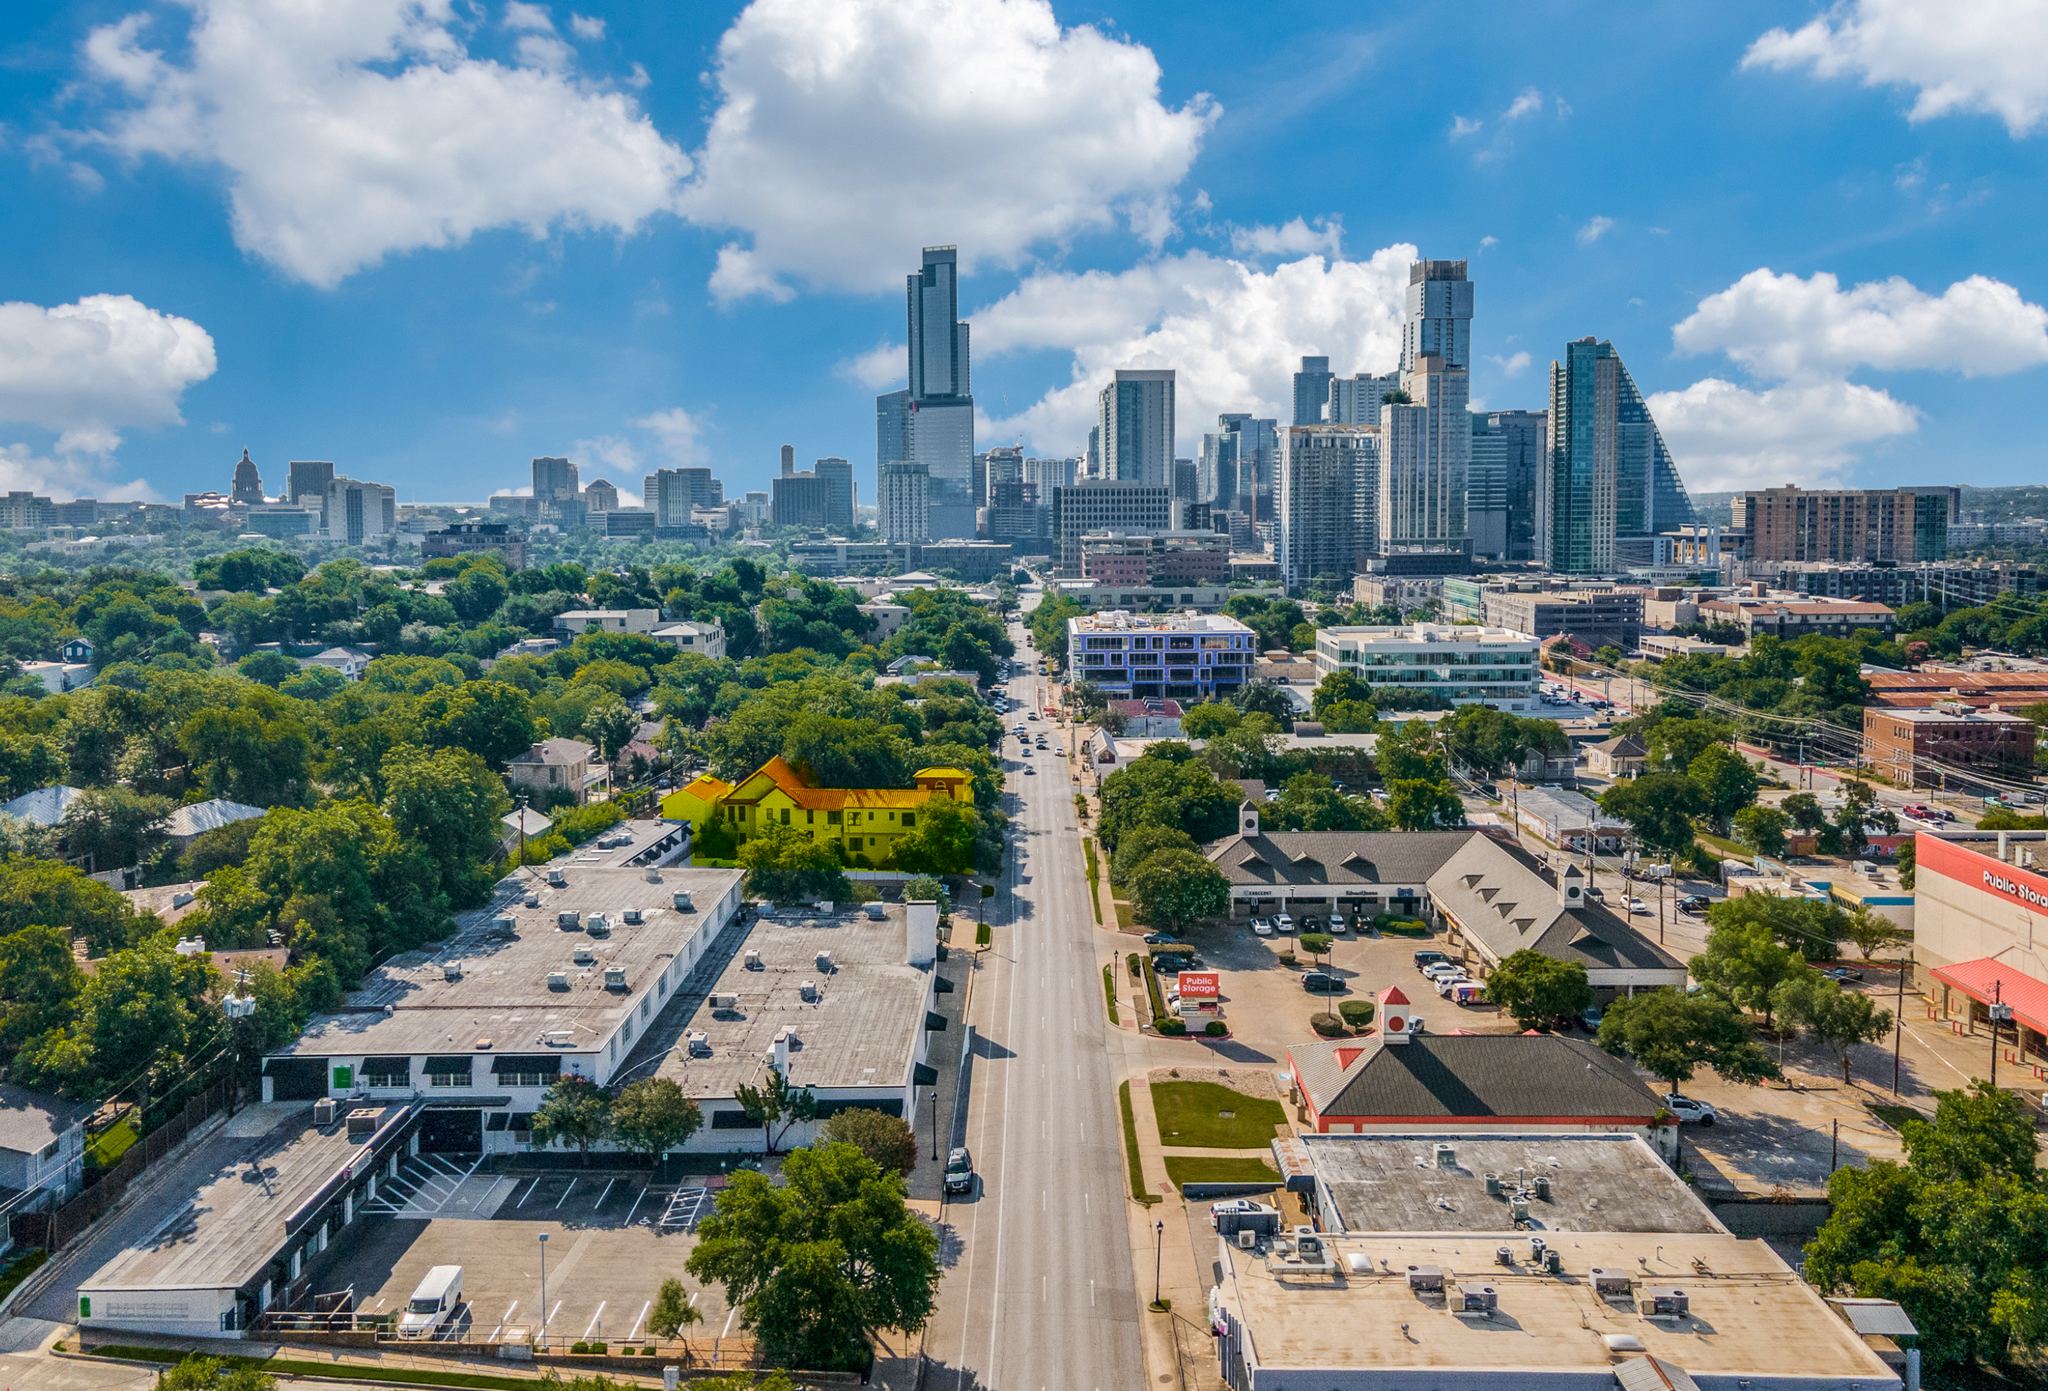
[
  {"x": 1200, "y": 985},
  {"x": 1981, "y": 871}
]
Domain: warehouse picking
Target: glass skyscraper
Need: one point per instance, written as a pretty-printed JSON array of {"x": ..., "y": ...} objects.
[
  {"x": 931, "y": 422},
  {"x": 1312, "y": 391},
  {"x": 1606, "y": 474}
]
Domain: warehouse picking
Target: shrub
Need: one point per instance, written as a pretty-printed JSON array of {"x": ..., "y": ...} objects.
[
  {"x": 983, "y": 935},
  {"x": 1356, "y": 1013},
  {"x": 579, "y": 1347},
  {"x": 1216, "y": 1029},
  {"x": 1173, "y": 1026},
  {"x": 1328, "y": 1025},
  {"x": 1287, "y": 957}
]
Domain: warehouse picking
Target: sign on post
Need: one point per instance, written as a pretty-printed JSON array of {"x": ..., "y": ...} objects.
[{"x": 1200, "y": 985}]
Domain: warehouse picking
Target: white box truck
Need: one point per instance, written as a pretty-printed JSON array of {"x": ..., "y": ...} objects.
[{"x": 433, "y": 1304}]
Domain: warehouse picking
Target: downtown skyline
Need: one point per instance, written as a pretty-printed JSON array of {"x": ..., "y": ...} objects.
[{"x": 1810, "y": 245}]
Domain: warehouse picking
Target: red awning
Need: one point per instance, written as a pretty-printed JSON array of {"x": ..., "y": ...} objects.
[{"x": 1981, "y": 978}]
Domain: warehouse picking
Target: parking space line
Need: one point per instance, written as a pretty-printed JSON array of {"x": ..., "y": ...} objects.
[
  {"x": 636, "y": 1205},
  {"x": 606, "y": 1194},
  {"x": 596, "y": 1319},
  {"x": 529, "y": 1193},
  {"x": 551, "y": 1316},
  {"x": 503, "y": 1319},
  {"x": 565, "y": 1193},
  {"x": 634, "y": 1331}
]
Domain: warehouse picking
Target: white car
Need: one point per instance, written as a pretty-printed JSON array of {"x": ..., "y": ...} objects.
[
  {"x": 1444, "y": 984},
  {"x": 1282, "y": 922},
  {"x": 1262, "y": 926},
  {"x": 1689, "y": 1111},
  {"x": 1437, "y": 970}
]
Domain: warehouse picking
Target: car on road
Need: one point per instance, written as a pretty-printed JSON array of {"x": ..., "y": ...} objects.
[
  {"x": 1032, "y": 716},
  {"x": 1029, "y": 771},
  {"x": 1636, "y": 905},
  {"x": 959, "y": 1171},
  {"x": 1589, "y": 1019},
  {"x": 1282, "y": 923},
  {"x": 1321, "y": 983},
  {"x": 1426, "y": 959},
  {"x": 1160, "y": 939},
  {"x": 1263, "y": 927},
  {"x": 1489, "y": 790},
  {"x": 1841, "y": 975},
  {"x": 1689, "y": 1111},
  {"x": 1694, "y": 903}
]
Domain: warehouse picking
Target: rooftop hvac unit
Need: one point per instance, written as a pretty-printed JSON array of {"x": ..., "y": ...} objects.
[
  {"x": 653, "y": 876},
  {"x": 452, "y": 971},
  {"x": 808, "y": 991},
  {"x": 558, "y": 980},
  {"x": 633, "y": 917},
  {"x": 1607, "y": 1281},
  {"x": 323, "y": 1111},
  {"x": 568, "y": 922},
  {"x": 1446, "y": 1156},
  {"x": 557, "y": 879},
  {"x": 1518, "y": 1207},
  {"x": 558, "y": 1038},
  {"x": 1542, "y": 1185},
  {"x": 363, "y": 1120},
  {"x": 1479, "y": 1299},
  {"x": 597, "y": 924},
  {"x": 1426, "y": 1278},
  {"x": 752, "y": 960},
  {"x": 825, "y": 962},
  {"x": 683, "y": 901},
  {"x": 585, "y": 956},
  {"x": 615, "y": 978},
  {"x": 1504, "y": 1255},
  {"x": 506, "y": 924},
  {"x": 1493, "y": 1185},
  {"x": 1247, "y": 1239},
  {"x": 533, "y": 900},
  {"x": 700, "y": 1043},
  {"x": 1536, "y": 1248},
  {"x": 725, "y": 1001},
  {"x": 1552, "y": 1261},
  {"x": 1665, "y": 1302}
]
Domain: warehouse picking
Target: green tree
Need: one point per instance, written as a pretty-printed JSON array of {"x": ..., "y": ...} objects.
[
  {"x": 1539, "y": 990},
  {"x": 1317, "y": 945},
  {"x": 1871, "y": 931},
  {"x": 1492, "y": 742},
  {"x": 1659, "y": 808},
  {"x": 1311, "y": 802},
  {"x": 1726, "y": 782},
  {"x": 1338, "y": 688},
  {"x": 1977, "y": 1132},
  {"x": 196, "y": 1373},
  {"x": 1141, "y": 843},
  {"x": 883, "y": 1138},
  {"x": 819, "y": 1262},
  {"x": 269, "y": 668},
  {"x": 1836, "y": 1018},
  {"x": 1209, "y": 719},
  {"x": 1745, "y": 962},
  {"x": 1673, "y": 744},
  {"x": 1762, "y": 829},
  {"x": 1410, "y": 752},
  {"x": 39, "y": 985},
  {"x": 258, "y": 752},
  {"x": 611, "y": 723},
  {"x": 672, "y": 1309},
  {"x": 450, "y": 805},
  {"x": 652, "y": 1116},
  {"x": 36, "y": 890},
  {"x": 113, "y": 827},
  {"x": 776, "y": 1103},
  {"x": 139, "y": 1010},
  {"x": 787, "y": 866},
  {"x": 1671, "y": 1034},
  {"x": 1175, "y": 887},
  {"x": 1265, "y": 698},
  {"x": 1168, "y": 787},
  {"x": 576, "y": 1111},
  {"x": 941, "y": 841},
  {"x": 1416, "y": 804},
  {"x": 1860, "y": 814}
]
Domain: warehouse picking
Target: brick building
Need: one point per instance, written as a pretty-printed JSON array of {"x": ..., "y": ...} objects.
[{"x": 1951, "y": 733}]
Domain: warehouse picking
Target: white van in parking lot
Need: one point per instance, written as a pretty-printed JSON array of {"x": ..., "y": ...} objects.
[{"x": 433, "y": 1304}]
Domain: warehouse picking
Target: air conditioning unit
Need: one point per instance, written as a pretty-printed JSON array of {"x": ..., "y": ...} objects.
[
  {"x": 1426, "y": 1278},
  {"x": 597, "y": 924},
  {"x": 452, "y": 971},
  {"x": 808, "y": 992},
  {"x": 825, "y": 963},
  {"x": 558, "y": 1038},
  {"x": 633, "y": 917},
  {"x": 568, "y": 922},
  {"x": 506, "y": 924},
  {"x": 752, "y": 960},
  {"x": 1247, "y": 1239},
  {"x": 615, "y": 978},
  {"x": 558, "y": 980},
  {"x": 1665, "y": 1302},
  {"x": 682, "y": 901},
  {"x": 653, "y": 876},
  {"x": 1607, "y": 1281},
  {"x": 323, "y": 1111},
  {"x": 700, "y": 1043},
  {"x": 724, "y": 1001},
  {"x": 1536, "y": 1248},
  {"x": 533, "y": 900},
  {"x": 1479, "y": 1299},
  {"x": 1446, "y": 1156},
  {"x": 1504, "y": 1255},
  {"x": 1542, "y": 1186},
  {"x": 585, "y": 956},
  {"x": 557, "y": 879}
]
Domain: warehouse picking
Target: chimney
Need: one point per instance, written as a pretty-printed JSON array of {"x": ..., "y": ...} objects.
[
  {"x": 1247, "y": 819},
  {"x": 1571, "y": 885},
  {"x": 920, "y": 932},
  {"x": 788, "y": 460}
]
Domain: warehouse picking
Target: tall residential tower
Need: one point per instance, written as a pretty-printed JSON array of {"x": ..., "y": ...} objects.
[
  {"x": 1608, "y": 485},
  {"x": 931, "y": 422}
]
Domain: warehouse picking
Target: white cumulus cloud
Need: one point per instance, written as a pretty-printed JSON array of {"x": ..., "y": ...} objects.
[
  {"x": 678, "y": 433},
  {"x": 1510, "y": 366},
  {"x": 1232, "y": 332},
  {"x": 1727, "y": 436},
  {"x": 1975, "y": 58},
  {"x": 848, "y": 133},
  {"x": 1527, "y": 104},
  {"x": 1594, "y": 230},
  {"x": 1295, "y": 238},
  {"x": 885, "y": 364},
  {"x": 351, "y": 132},
  {"x": 1462, "y": 126},
  {"x": 1785, "y": 327},
  {"x": 586, "y": 27},
  {"x": 88, "y": 370}
]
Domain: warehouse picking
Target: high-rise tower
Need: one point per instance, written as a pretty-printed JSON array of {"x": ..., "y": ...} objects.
[
  {"x": 1135, "y": 416},
  {"x": 1426, "y": 442},
  {"x": 931, "y": 422},
  {"x": 1607, "y": 478},
  {"x": 1312, "y": 391}
]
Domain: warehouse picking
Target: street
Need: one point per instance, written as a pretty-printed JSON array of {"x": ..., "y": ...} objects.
[{"x": 1040, "y": 1294}]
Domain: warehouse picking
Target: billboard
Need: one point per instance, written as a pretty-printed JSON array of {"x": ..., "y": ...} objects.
[{"x": 1200, "y": 985}]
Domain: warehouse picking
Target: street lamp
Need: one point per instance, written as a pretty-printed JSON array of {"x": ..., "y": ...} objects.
[
  {"x": 543, "y": 1286},
  {"x": 1158, "y": 1250},
  {"x": 935, "y": 1122}
]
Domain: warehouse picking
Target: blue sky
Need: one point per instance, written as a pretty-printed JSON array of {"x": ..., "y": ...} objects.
[{"x": 429, "y": 239}]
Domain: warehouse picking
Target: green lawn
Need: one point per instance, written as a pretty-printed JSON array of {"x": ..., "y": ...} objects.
[
  {"x": 1895, "y": 1116},
  {"x": 1124, "y": 916},
  {"x": 350, "y": 1371},
  {"x": 1094, "y": 898},
  {"x": 1185, "y": 1169},
  {"x": 1131, "y": 1161},
  {"x": 1190, "y": 1116},
  {"x": 1724, "y": 845},
  {"x": 1109, "y": 989}
]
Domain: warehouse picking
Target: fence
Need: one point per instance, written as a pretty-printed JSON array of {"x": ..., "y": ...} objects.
[{"x": 52, "y": 1231}]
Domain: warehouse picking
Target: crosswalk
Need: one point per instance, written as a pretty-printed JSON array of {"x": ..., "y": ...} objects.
[{"x": 424, "y": 1185}]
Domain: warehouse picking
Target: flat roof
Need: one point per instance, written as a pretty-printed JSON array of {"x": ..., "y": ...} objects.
[
  {"x": 234, "y": 1223},
  {"x": 641, "y": 842},
  {"x": 1610, "y": 1183},
  {"x": 861, "y": 1031},
  {"x": 501, "y": 989},
  {"x": 1124, "y": 621},
  {"x": 1750, "y": 1316}
]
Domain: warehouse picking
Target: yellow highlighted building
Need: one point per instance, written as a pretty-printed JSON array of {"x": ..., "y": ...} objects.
[{"x": 865, "y": 820}]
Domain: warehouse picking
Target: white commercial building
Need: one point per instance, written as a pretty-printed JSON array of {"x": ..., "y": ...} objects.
[
  {"x": 903, "y": 502},
  {"x": 1183, "y": 656},
  {"x": 1490, "y": 666}
]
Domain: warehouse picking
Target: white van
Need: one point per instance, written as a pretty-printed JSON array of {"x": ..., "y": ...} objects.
[{"x": 433, "y": 1304}]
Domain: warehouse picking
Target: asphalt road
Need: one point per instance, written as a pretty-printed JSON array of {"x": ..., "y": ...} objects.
[{"x": 1040, "y": 1293}]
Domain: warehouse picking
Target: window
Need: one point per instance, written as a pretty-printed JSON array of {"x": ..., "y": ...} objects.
[
  {"x": 50, "y": 1151},
  {"x": 833, "y": 818},
  {"x": 909, "y": 819},
  {"x": 785, "y": 816},
  {"x": 810, "y": 817},
  {"x": 448, "y": 1079}
]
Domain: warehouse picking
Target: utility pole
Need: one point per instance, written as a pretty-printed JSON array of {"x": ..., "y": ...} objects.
[
  {"x": 1899, "y": 1027},
  {"x": 2000, "y": 1012}
]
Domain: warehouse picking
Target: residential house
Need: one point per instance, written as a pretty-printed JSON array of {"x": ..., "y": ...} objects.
[
  {"x": 576, "y": 622},
  {"x": 705, "y": 639},
  {"x": 42, "y": 1150},
  {"x": 1623, "y": 756},
  {"x": 351, "y": 662},
  {"x": 554, "y": 765},
  {"x": 43, "y": 807},
  {"x": 1151, "y": 718},
  {"x": 187, "y": 824},
  {"x": 868, "y": 822}
]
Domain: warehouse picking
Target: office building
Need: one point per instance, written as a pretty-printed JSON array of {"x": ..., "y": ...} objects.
[
  {"x": 1016, "y": 515},
  {"x": 801, "y": 499},
  {"x": 672, "y": 493},
  {"x": 1901, "y": 744},
  {"x": 1159, "y": 559},
  {"x": 1326, "y": 502},
  {"x": 1179, "y": 656},
  {"x": 1425, "y": 456},
  {"x": 892, "y": 428},
  {"x": 600, "y": 496},
  {"x": 462, "y": 538},
  {"x": 626, "y": 524},
  {"x": 308, "y": 478},
  {"x": 931, "y": 421},
  {"x": 22, "y": 510},
  {"x": 1135, "y": 415},
  {"x": 554, "y": 478},
  {"x": 903, "y": 503},
  {"x": 248, "y": 486},
  {"x": 1184, "y": 481},
  {"x": 1945, "y": 584},
  {"x": 354, "y": 512},
  {"x": 1500, "y": 487},
  {"x": 844, "y": 503},
  {"x": 1903, "y": 525},
  {"x": 1105, "y": 505},
  {"x": 1235, "y": 467},
  {"x": 1312, "y": 390},
  {"x": 1357, "y": 400},
  {"x": 1793, "y": 618},
  {"x": 1595, "y": 617},
  {"x": 1439, "y": 316},
  {"x": 1606, "y": 473},
  {"x": 1051, "y": 473},
  {"x": 1466, "y": 665}
]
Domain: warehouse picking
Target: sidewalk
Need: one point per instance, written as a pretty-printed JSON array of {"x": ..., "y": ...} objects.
[{"x": 1163, "y": 1228}]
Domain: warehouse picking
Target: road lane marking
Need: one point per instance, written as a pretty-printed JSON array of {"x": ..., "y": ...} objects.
[
  {"x": 503, "y": 1319},
  {"x": 636, "y": 1204},
  {"x": 606, "y": 1194}
]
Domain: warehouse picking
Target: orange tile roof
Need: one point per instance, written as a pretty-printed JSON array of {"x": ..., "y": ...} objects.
[{"x": 779, "y": 774}]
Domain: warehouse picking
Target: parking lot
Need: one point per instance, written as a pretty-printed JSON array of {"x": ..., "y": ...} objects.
[{"x": 612, "y": 1238}]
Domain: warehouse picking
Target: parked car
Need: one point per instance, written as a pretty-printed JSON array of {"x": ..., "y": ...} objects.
[
  {"x": 1262, "y": 926},
  {"x": 1841, "y": 975},
  {"x": 1282, "y": 923},
  {"x": 1593, "y": 891},
  {"x": 960, "y": 1171},
  {"x": 1160, "y": 939},
  {"x": 1636, "y": 905},
  {"x": 1235, "y": 1207},
  {"x": 1426, "y": 959},
  {"x": 1321, "y": 983},
  {"x": 1589, "y": 1019},
  {"x": 1438, "y": 970},
  {"x": 1694, "y": 903},
  {"x": 1445, "y": 984},
  {"x": 1311, "y": 923},
  {"x": 433, "y": 1304},
  {"x": 1336, "y": 922},
  {"x": 1689, "y": 1111}
]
